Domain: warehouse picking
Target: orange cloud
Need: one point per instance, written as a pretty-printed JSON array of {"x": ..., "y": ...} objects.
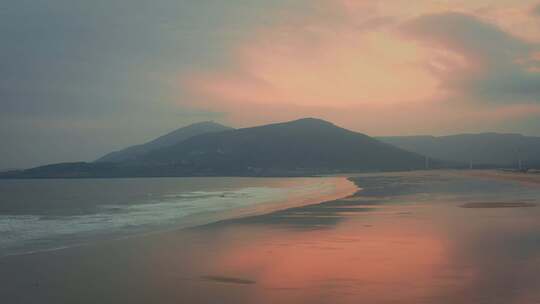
[
  {"x": 358, "y": 69},
  {"x": 343, "y": 71}
]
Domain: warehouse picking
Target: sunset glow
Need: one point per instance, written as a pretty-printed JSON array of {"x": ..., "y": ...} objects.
[
  {"x": 361, "y": 59},
  {"x": 270, "y": 151}
]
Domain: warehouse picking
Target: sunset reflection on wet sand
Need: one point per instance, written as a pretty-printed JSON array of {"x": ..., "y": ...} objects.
[{"x": 404, "y": 239}]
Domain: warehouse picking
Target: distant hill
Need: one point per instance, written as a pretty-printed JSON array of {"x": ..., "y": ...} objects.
[
  {"x": 169, "y": 139},
  {"x": 300, "y": 147},
  {"x": 482, "y": 149},
  {"x": 305, "y": 145}
]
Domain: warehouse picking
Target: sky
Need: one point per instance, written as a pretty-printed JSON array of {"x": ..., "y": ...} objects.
[{"x": 83, "y": 78}]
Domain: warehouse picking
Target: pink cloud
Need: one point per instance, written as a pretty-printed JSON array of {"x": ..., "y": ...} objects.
[{"x": 362, "y": 71}]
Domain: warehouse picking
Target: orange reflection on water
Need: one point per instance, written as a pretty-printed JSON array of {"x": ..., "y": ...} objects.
[{"x": 348, "y": 263}]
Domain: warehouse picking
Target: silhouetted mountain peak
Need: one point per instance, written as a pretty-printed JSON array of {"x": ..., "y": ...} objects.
[
  {"x": 312, "y": 121},
  {"x": 300, "y": 147},
  {"x": 304, "y": 125},
  {"x": 204, "y": 124},
  {"x": 309, "y": 144},
  {"x": 167, "y": 140}
]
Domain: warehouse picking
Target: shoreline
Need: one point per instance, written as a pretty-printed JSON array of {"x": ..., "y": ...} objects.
[
  {"x": 345, "y": 187},
  {"x": 348, "y": 189},
  {"x": 493, "y": 174},
  {"x": 348, "y": 250}
]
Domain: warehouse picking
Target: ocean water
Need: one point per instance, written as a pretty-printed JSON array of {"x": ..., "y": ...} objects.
[
  {"x": 37, "y": 215},
  {"x": 424, "y": 237}
]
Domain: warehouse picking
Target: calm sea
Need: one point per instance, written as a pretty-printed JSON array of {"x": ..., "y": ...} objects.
[{"x": 49, "y": 214}]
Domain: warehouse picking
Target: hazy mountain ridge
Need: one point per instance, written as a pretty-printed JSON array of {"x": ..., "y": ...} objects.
[
  {"x": 499, "y": 149},
  {"x": 300, "y": 147},
  {"x": 169, "y": 139},
  {"x": 304, "y": 144}
]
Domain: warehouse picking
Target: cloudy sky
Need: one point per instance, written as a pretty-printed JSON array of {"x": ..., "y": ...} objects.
[{"x": 82, "y": 78}]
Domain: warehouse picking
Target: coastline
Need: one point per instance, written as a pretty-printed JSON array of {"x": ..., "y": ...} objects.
[
  {"x": 42, "y": 270},
  {"x": 524, "y": 178},
  {"x": 301, "y": 193},
  {"x": 394, "y": 234}
]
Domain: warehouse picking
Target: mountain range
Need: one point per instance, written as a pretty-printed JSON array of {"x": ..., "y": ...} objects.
[
  {"x": 301, "y": 147},
  {"x": 305, "y": 145},
  {"x": 480, "y": 150}
]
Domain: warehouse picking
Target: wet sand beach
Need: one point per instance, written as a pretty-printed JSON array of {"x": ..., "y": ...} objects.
[
  {"x": 531, "y": 179},
  {"x": 403, "y": 238}
]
